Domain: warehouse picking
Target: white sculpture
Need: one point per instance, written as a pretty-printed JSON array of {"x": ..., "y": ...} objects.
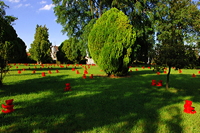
[
  {"x": 54, "y": 50},
  {"x": 89, "y": 60}
]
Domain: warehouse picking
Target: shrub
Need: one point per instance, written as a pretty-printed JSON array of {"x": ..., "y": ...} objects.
[{"x": 111, "y": 42}]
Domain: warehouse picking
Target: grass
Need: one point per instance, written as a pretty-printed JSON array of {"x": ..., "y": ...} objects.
[{"x": 98, "y": 105}]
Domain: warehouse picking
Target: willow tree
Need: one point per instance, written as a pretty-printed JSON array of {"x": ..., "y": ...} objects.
[{"x": 111, "y": 42}]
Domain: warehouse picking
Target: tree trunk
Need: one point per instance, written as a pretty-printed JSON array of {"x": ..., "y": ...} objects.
[{"x": 167, "y": 82}]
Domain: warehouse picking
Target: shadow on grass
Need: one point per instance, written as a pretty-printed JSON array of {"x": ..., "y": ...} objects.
[{"x": 99, "y": 104}]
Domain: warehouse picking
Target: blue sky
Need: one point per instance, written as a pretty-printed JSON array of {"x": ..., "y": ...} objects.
[{"x": 33, "y": 12}]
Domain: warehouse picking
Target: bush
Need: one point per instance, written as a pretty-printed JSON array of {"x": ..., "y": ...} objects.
[{"x": 111, "y": 42}]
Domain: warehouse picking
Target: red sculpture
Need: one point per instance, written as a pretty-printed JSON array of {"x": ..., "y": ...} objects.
[
  {"x": 153, "y": 82},
  {"x": 188, "y": 107},
  {"x": 49, "y": 72},
  {"x": 91, "y": 76},
  {"x": 84, "y": 76},
  {"x": 159, "y": 83},
  {"x": 85, "y": 72},
  {"x": 19, "y": 71},
  {"x": 193, "y": 75},
  {"x": 43, "y": 74},
  {"x": 9, "y": 106},
  {"x": 68, "y": 87},
  {"x": 77, "y": 72}
]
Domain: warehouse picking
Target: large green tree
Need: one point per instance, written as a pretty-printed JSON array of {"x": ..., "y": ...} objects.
[
  {"x": 111, "y": 42},
  {"x": 40, "y": 48},
  {"x": 12, "y": 48},
  {"x": 75, "y": 16},
  {"x": 71, "y": 50},
  {"x": 176, "y": 23}
]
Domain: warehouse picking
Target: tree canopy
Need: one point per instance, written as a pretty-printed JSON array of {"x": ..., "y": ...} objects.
[
  {"x": 72, "y": 50},
  {"x": 12, "y": 48},
  {"x": 40, "y": 48},
  {"x": 176, "y": 24}
]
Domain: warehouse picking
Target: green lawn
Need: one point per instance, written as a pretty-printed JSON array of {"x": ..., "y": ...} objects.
[{"x": 98, "y": 105}]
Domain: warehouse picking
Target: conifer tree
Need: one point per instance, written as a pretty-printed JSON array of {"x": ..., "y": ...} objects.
[
  {"x": 40, "y": 48},
  {"x": 111, "y": 42}
]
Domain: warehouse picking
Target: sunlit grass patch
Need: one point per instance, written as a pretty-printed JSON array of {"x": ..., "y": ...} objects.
[{"x": 101, "y": 104}]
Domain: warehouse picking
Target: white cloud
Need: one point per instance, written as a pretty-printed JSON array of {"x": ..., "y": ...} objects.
[
  {"x": 27, "y": 4},
  {"x": 47, "y": 7},
  {"x": 43, "y": 2},
  {"x": 14, "y": 1},
  {"x": 18, "y": 6}
]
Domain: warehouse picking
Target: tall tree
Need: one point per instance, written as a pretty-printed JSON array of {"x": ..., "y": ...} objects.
[
  {"x": 75, "y": 15},
  {"x": 139, "y": 12},
  {"x": 40, "y": 48},
  {"x": 175, "y": 21},
  {"x": 111, "y": 42},
  {"x": 12, "y": 48},
  {"x": 72, "y": 50}
]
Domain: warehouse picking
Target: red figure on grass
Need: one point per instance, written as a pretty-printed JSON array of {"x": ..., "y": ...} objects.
[
  {"x": 153, "y": 82},
  {"x": 33, "y": 71},
  {"x": 158, "y": 73},
  {"x": 165, "y": 72},
  {"x": 9, "y": 106},
  {"x": 49, "y": 72},
  {"x": 193, "y": 75},
  {"x": 84, "y": 76},
  {"x": 57, "y": 71},
  {"x": 188, "y": 107},
  {"x": 159, "y": 83},
  {"x": 85, "y": 72},
  {"x": 73, "y": 69},
  {"x": 43, "y": 74},
  {"x": 180, "y": 71},
  {"x": 91, "y": 76},
  {"x": 77, "y": 72},
  {"x": 19, "y": 71},
  {"x": 68, "y": 87}
]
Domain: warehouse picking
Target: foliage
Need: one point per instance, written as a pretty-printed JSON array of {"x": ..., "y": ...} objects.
[
  {"x": 175, "y": 22},
  {"x": 40, "y": 48},
  {"x": 84, "y": 37},
  {"x": 71, "y": 50},
  {"x": 74, "y": 16},
  {"x": 12, "y": 48},
  {"x": 111, "y": 42}
]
